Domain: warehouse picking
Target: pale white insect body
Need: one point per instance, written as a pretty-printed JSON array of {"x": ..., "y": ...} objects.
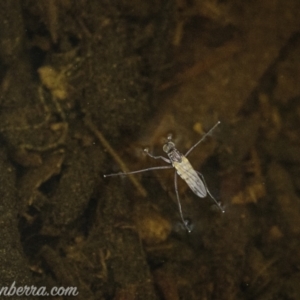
[
  {"x": 184, "y": 169},
  {"x": 189, "y": 175}
]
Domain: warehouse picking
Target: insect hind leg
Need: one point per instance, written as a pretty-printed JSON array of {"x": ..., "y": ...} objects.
[
  {"x": 185, "y": 222},
  {"x": 208, "y": 192}
]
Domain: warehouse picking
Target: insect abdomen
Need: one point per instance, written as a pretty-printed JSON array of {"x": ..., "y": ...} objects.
[{"x": 189, "y": 175}]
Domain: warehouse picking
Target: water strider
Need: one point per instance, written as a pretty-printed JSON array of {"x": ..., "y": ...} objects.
[{"x": 184, "y": 169}]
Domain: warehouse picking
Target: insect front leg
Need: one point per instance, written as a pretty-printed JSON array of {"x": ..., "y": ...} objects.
[{"x": 146, "y": 150}]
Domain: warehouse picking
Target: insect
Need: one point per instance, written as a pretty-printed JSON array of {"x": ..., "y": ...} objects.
[{"x": 194, "y": 179}]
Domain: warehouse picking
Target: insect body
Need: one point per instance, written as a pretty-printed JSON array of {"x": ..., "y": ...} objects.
[{"x": 184, "y": 169}]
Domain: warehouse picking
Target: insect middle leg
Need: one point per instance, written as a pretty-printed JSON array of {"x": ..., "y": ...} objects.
[
  {"x": 205, "y": 135},
  {"x": 138, "y": 171},
  {"x": 179, "y": 204}
]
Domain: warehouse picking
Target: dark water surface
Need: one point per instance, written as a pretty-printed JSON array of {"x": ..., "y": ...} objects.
[{"x": 87, "y": 85}]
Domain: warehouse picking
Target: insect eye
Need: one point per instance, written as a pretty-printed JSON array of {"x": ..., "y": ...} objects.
[{"x": 166, "y": 148}]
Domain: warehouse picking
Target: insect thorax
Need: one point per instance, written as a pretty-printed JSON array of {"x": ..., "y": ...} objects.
[{"x": 175, "y": 155}]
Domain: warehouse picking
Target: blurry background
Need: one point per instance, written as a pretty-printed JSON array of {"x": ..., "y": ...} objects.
[{"x": 86, "y": 85}]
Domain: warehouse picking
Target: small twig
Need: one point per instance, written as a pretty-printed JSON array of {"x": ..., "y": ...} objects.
[
  {"x": 63, "y": 125},
  {"x": 35, "y": 126},
  {"x": 115, "y": 156}
]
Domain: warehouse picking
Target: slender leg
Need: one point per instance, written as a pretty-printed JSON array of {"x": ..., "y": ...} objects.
[
  {"x": 179, "y": 204},
  {"x": 208, "y": 192},
  {"x": 139, "y": 171},
  {"x": 205, "y": 135},
  {"x": 157, "y": 157}
]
